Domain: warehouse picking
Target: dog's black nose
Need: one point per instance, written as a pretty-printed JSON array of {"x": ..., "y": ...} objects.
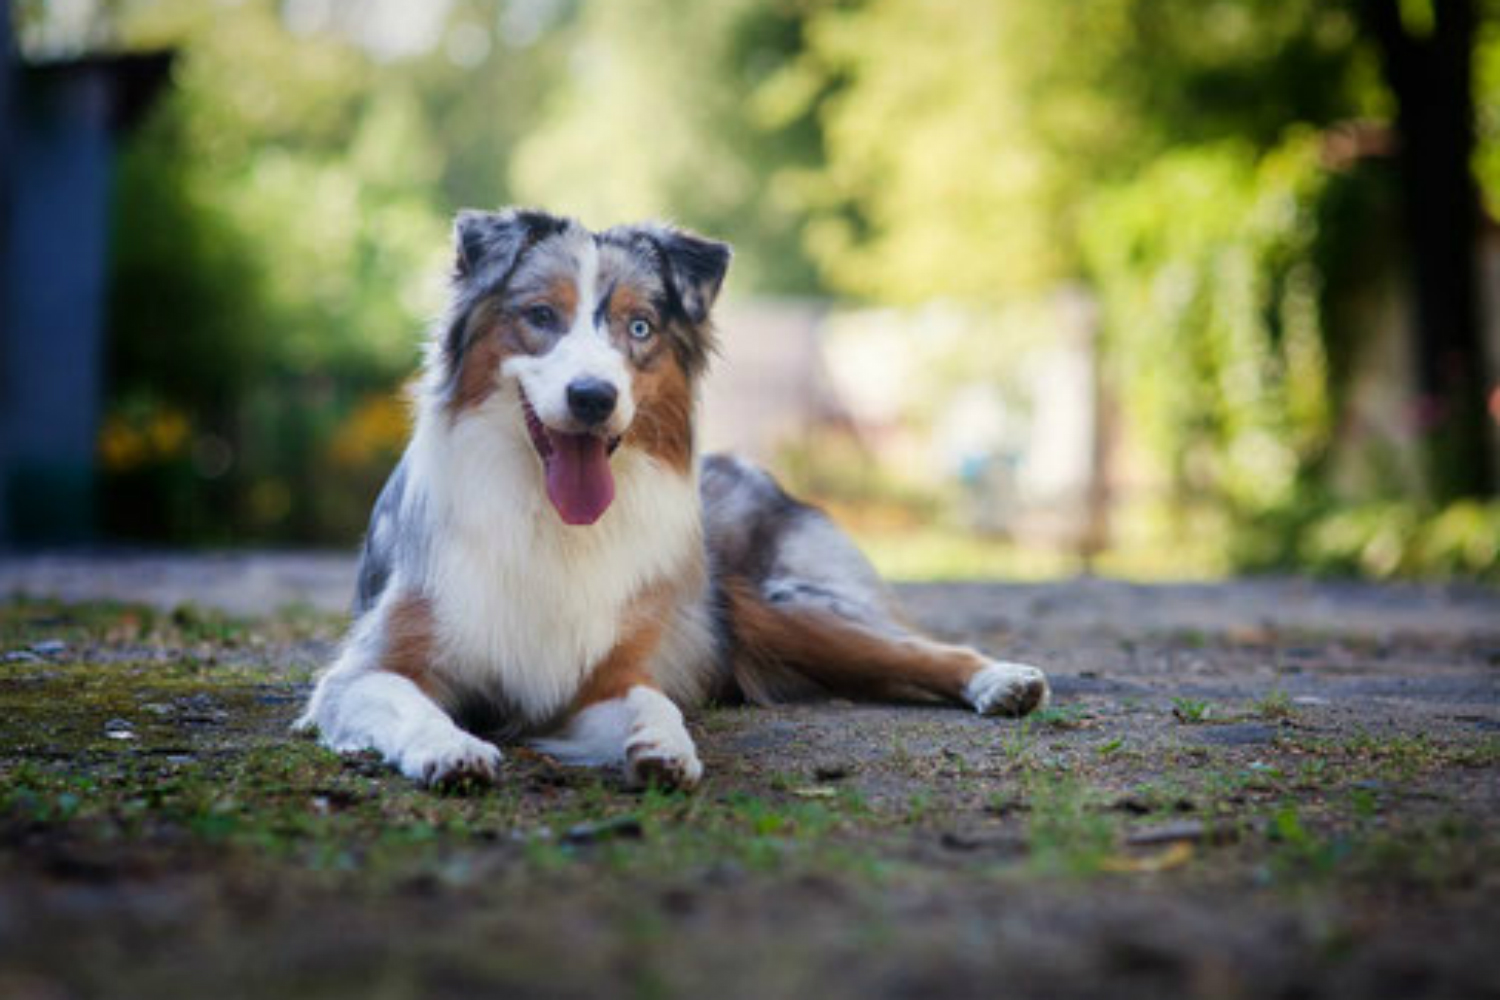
[{"x": 592, "y": 400}]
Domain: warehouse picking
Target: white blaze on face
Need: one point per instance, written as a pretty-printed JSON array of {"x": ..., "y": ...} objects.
[{"x": 585, "y": 351}]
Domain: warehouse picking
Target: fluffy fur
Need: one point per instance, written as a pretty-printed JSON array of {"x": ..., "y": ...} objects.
[{"x": 551, "y": 563}]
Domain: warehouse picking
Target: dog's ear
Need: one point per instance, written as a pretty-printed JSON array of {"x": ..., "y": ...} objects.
[
  {"x": 490, "y": 242},
  {"x": 695, "y": 266}
]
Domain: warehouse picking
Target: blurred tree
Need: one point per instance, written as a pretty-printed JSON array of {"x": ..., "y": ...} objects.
[
  {"x": 281, "y": 237},
  {"x": 965, "y": 137},
  {"x": 282, "y": 222},
  {"x": 1178, "y": 156},
  {"x": 1427, "y": 48},
  {"x": 654, "y": 118}
]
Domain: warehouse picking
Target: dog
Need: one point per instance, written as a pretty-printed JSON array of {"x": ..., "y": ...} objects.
[{"x": 551, "y": 560}]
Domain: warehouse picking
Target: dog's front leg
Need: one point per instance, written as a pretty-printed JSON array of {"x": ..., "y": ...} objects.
[
  {"x": 658, "y": 748},
  {"x": 640, "y": 730},
  {"x": 622, "y": 718},
  {"x": 368, "y": 700}
]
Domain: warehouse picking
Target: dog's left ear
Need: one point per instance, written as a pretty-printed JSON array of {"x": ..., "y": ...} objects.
[{"x": 695, "y": 265}]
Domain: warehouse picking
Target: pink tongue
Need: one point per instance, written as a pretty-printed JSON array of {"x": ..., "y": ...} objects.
[{"x": 579, "y": 482}]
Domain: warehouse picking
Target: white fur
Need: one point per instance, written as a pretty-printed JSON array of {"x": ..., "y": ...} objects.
[
  {"x": 585, "y": 351},
  {"x": 526, "y": 604},
  {"x": 643, "y": 731},
  {"x": 1003, "y": 688},
  {"x": 356, "y": 707},
  {"x": 659, "y": 744},
  {"x": 595, "y": 737}
]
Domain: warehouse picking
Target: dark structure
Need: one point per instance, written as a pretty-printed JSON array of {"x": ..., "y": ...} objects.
[
  {"x": 1431, "y": 74},
  {"x": 59, "y": 129}
]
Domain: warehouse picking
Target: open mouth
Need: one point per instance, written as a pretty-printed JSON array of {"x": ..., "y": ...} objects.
[{"x": 580, "y": 483}]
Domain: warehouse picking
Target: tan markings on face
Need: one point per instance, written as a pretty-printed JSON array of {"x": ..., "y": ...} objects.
[
  {"x": 663, "y": 425},
  {"x": 495, "y": 333},
  {"x": 492, "y": 337},
  {"x": 627, "y": 304},
  {"x": 562, "y": 295},
  {"x": 408, "y": 646}
]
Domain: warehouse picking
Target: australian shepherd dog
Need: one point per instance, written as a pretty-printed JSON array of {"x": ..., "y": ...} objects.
[{"x": 553, "y": 561}]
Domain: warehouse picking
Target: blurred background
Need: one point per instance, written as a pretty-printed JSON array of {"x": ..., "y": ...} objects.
[{"x": 1150, "y": 288}]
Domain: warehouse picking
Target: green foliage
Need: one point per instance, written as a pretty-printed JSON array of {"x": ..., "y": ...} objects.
[
  {"x": 653, "y": 120},
  {"x": 964, "y": 139},
  {"x": 1394, "y": 538},
  {"x": 282, "y": 224},
  {"x": 282, "y": 227},
  {"x": 1214, "y": 321},
  {"x": 1183, "y": 160},
  {"x": 1487, "y": 108},
  {"x": 281, "y": 241}
]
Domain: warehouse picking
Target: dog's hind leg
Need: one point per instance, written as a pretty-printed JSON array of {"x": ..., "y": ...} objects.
[
  {"x": 807, "y": 613},
  {"x": 785, "y": 649},
  {"x": 381, "y": 695}
]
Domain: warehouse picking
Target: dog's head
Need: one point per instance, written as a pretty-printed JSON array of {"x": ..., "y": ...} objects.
[{"x": 600, "y": 334}]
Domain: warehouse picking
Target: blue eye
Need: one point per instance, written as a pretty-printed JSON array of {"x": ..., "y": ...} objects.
[
  {"x": 543, "y": 317},
  {"x": 640, "y": 329}
]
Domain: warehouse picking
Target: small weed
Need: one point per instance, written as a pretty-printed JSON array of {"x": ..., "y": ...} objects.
[
  {"x": 1191, "y": 638},
  {"x": 1062, "y": 717},
  {"x": 1018, "y": 748},
  {"x": 1261, "y": 776},
  {"x": 1313, "y": 773},
  {"x": 1298, "y": 851},
  {"x": 1191, "y": 711},
  {"x": 851, "y": 802},
  {"x": 1276, "y": 706},
  {"x": 1396, "y": 757},
  {"x": 1067, "y": 830},
  {"x": 918, "y": 807},
  {"x": 900, "y": 757},
  {"x": 1483, "y": 754}
]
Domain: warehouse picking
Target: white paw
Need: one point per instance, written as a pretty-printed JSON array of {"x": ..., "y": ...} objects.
[
  {"x": 453, "y": 757},
  {"x": 659, "y": 756},
  {"x": 1007, "y": 689}
]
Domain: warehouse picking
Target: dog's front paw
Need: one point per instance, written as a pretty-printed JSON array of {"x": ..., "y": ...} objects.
[
  {"x": 664, "y": 759},
  {"x": 455, "y": 759},
  {"x": 1002, "y": 688}
]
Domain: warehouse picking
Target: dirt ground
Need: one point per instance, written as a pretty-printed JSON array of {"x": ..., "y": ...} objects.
[{"x": 1256, "y": 789}]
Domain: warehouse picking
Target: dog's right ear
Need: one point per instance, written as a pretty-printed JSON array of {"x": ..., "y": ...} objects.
[
  {"x": 480, "y": 238},
  {"x": 490, "y": 242}
]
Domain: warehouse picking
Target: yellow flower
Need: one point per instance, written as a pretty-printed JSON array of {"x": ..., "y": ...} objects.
[{"x": 378, "y": 426}]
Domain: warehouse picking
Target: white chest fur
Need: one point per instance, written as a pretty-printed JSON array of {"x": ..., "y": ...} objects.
[{"x": 526, "y": 605}]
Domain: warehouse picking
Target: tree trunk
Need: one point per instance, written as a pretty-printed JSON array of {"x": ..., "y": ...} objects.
[{"x": 1430, "y": 70}]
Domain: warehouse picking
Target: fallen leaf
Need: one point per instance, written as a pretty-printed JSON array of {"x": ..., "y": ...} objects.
[
  {"x": 1176, "y": 855},
  {"x": 814, "y": 793}
]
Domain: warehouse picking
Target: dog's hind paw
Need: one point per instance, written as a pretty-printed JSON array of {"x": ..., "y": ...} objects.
[
  {"x": 1002, "y": 688},
  {"x": 648, "y": 762},
  {"x": 459, "y": 760}
]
